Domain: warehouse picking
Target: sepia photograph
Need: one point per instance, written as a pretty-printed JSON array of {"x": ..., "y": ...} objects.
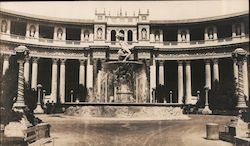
[{"x": 125, "y": 73}]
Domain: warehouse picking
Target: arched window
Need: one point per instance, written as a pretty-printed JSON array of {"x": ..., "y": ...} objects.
[
  {"x": 122, "y": 32},
  {"x": 32, "y": 31},
  {"x": 183, "y": 36},
  {"x": 99, "y": 33},
  {"x": 86, "y": 35},
  {"x": 210, "y": 33},
  {"x": 157, "y": 35},
  {"x": 59, "y": 33},
  {"x": 113, "y": 35},
  {"x": 238, "y": 29},
  {"x": 4, "y": 26},
  {"x": 144, "y": 34},
  {"x": 130, "y": 35}
]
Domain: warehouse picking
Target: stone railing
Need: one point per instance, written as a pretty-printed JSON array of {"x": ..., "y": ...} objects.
[{"x": 165, "y": 44}]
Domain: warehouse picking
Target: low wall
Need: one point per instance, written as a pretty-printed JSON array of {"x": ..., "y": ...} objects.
[{"x": 128, "y": 111}]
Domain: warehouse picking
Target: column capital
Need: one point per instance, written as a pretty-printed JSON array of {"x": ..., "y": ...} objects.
[
  {"x": 27, "y": 59},
  {"x": 187, "y": 62},
  {"x": 63, "y": 61},
  {"x": 180, "y": 62},
  {"x": 82, "y": 61},
  {"x": 54, "y": 60},
  {"x": 207, "y": 61},
  {"x": 215, "y": 60},
  {"x": 161, "y": 62},
  {"x": 35, "y": 59},
  {"x": 6, "y": 57}
]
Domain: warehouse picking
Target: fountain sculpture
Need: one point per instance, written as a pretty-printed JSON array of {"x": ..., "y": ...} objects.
[{"x": 123, "y": 80}]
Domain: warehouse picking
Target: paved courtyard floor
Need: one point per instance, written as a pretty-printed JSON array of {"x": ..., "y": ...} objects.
[{"x": 78, "y": 131}]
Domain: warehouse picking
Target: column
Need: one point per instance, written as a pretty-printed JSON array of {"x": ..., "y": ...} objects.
[
  {"x": 26, "y": 69},
  {"x": 233, "y": 30},
  {"x": 161, "y": 35},
  {"x": 206, "y": 34},
  {"x": 179, "y": 36},
  {"x": 245, "y": 78},
  {"x": 134, "y": 36},
  {"x": 89, "y": 81},
  {"x": 180, "y": 81},
  {"x": 215, "y": 70},
  {"x": 235, "y": 68},
  {"x": 37, "y": 31},
  {"x": 27, "y": 30},
  {"x": 152, "y": 79},
  {"x": 6, "y": 63},
  {"x": 34, "y": 72},
  {"x": 161, "y": 72},
  {"x": 215, "y": 33},
  {"x": 242, "y": 29},
  {"x": 108, "y": 35},
  {"x": 82, "y": 72},
  {"x": 125, "y": 35},
  {"x": 188, "y": 83},
  {"x": 55, "y": 33},
  {"x": 62, "y": 81},
  {"x": 187, "y": 35},
  {"x": 54, "y": 81},
  {"x": 207, "y": 74},
  {"x": 82, "y": 35}
]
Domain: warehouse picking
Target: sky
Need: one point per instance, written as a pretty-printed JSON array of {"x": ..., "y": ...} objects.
[{"x": 159, "y": 10}]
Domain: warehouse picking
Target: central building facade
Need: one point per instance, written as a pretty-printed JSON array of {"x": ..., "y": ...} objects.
[{"x": 183, "y": 56}]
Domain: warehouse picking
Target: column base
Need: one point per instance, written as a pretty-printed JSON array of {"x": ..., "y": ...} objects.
[
  {"x": 19, "y": 106},
  {"x": 206, "y": 110},
  {"x": 15, "y": 129},
  {"x": 39, "y": 109}
]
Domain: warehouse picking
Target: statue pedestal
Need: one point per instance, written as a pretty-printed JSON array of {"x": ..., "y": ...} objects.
[
  {"x": 206, "y": 111},
  {"x": 16, "y": 129},
  {"x": 39, "y": 109}
]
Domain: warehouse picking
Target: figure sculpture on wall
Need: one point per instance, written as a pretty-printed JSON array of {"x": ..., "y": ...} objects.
[
  {"x": 59, "y": 34},
  {"x": 4, "y": 26},
  {"x": 210, "y": 34},
  {"x": 144, "y": 34},
  {"x": 32, "y": 31},
  {"x": 99, "y": 33},
  {"x": 183, "y": 36},
  {"x": 125, "y": 48}
]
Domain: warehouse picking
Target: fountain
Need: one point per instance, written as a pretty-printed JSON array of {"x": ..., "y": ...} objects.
[{"x": 123, "y": 92}]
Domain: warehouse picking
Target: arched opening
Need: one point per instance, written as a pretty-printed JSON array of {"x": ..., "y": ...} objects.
[
  {"x": 113, "y": 35},
  {"x": 130, "y": 36},
  {"x": 157, "y": 36},
  {"x": 86, "y": 35}
]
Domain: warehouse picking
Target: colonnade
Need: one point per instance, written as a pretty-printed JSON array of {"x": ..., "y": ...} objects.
[{"x": 85, "y": 66}]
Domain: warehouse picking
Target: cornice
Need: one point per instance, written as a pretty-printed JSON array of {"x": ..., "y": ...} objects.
[{"x": 34, "y": 17}]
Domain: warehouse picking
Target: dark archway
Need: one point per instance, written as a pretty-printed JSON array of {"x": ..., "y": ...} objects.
[
  {"x": 113, "y": 33},
  {"x": 130, "y": 35}
]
